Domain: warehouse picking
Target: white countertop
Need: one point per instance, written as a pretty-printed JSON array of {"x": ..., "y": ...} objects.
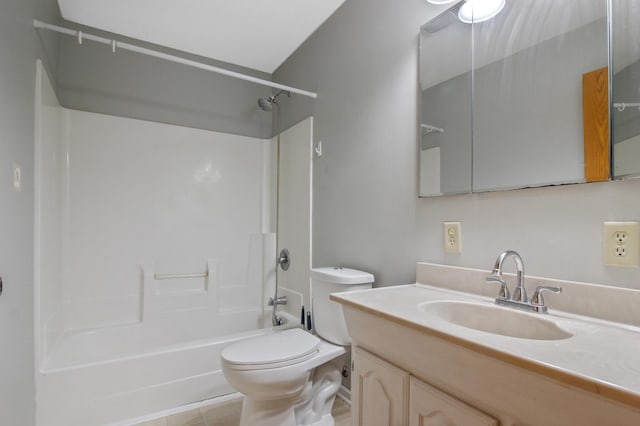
[{"x": 602, "y": 356}]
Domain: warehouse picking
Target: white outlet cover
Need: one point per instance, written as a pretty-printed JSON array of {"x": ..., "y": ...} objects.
[
  {"x": 452, "y": 237},
  {"x": 621, "y": 244}
]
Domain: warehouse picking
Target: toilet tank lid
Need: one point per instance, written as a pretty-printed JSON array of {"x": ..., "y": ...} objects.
[{"x": 340, "y": 275}]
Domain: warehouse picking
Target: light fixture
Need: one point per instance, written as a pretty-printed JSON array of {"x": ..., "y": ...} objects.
[
  {"x": 473, "y": 11},
  {"x": 440, "y": 1}
]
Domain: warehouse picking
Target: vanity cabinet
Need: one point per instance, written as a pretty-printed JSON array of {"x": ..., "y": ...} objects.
[
  {"x": 459, "y": 384},
  {"x": 430, "y": 407},
  {"x": 385, "y": 395},
  {"x": 379, "y": 391}
]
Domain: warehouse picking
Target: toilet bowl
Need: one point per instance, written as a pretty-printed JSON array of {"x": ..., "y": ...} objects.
[{"x": 291, "y": 377}]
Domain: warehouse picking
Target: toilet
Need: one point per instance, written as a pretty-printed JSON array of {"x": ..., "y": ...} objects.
[{"x": 291, "y": 377}]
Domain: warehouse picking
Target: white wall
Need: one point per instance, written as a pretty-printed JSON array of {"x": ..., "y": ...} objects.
[
  {"x": 363, "y": 62},
  {"x": 140, "y": 198},
  {"x": 625, "y": 157},
  {"x": 430, "y": 172},
  {"x": 557, "y": 230}
]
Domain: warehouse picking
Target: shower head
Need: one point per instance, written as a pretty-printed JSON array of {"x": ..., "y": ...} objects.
[{"x": 266, "y": 104}]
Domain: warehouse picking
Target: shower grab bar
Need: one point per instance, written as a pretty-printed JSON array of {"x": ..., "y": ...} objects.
[
  {"x": 172, "y": 58},
  {"x": 176, "y": 276}
]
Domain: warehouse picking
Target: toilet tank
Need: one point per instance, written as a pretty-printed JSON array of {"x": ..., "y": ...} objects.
[{"x": 327, "y": 315}]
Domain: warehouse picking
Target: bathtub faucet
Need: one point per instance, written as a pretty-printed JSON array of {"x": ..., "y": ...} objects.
[
  {"x": 275, "y": 301},
  {"x": 282, "y": 300}
]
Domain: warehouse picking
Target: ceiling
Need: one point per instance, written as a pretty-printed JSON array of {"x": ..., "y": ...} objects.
[{"x": 257, "y": 34}]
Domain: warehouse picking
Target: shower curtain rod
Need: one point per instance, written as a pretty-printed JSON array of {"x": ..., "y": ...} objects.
[{"x": 133, "y": 48}]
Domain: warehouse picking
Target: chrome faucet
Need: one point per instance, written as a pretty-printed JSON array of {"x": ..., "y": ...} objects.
[
  {"x": 519, "y": 299},
  {"x": 519, "y": 294},
  {"x": 538, "y": 301}
]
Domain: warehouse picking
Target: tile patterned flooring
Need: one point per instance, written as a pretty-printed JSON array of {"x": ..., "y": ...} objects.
[{"x": 228, "y": 414}]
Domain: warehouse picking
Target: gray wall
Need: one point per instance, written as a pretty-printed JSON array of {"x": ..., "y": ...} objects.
[
  {"x": 448, "y": 105},
  {"x": 363, "y": 63},
  {"x": 20, "y": 44},
  {"x": 92, "y": 78},
  {"x": 527, "y": 123}
]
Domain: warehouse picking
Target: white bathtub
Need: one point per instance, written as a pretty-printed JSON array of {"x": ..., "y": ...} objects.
[{"x": 109, "y": 375}]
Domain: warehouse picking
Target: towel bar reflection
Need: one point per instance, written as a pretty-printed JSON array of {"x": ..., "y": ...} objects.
[
  {"x": 177, "y": 276},
  {"x": 428, "y": 128},
  {"x": 621, "y": 106}
]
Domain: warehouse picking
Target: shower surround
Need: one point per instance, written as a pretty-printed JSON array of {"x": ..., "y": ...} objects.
[{"x": 155, "y": 248}]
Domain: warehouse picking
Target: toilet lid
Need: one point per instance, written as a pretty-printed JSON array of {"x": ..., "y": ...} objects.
[{"x": 282, "y": 348}]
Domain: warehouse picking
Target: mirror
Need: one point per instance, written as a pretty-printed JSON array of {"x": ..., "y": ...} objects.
[
  {"x": 626, "y": 88},
  {"x": 524, "y": 103},
  {"x": 445, "y": 128}
]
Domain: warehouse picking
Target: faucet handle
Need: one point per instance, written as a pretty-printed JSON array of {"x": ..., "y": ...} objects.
[
  {"x": 504, "y": 290},
  {"x": 537, "y": 299}
]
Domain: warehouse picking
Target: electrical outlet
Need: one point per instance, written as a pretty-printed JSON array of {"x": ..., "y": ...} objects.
[
  {"x": 620, "y": 251},
  {"x": 620, "y": 236},
  {"x": 621, "y": 244},
  {"x": 452, "y": 237}
]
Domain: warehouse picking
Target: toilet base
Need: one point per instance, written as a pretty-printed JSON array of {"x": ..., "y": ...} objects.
[
  {"x": 325, "y": 421},
  {"x": 312, "y": 407},
  {"x": 265, "y": 413},
  {"x": 278, "y": 412},
  {"x": 316, "y": 401}
]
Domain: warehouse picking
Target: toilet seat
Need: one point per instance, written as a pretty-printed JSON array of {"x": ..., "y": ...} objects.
[{"x": 274, "y": 350}]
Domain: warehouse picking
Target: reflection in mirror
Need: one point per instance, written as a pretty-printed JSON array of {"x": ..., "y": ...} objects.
[
  {"x": 445, "y": 80},
  {"x": 530, "y": 63},
  {"x": 521, "y": 98},
  {"x": 626, "y": 88}
]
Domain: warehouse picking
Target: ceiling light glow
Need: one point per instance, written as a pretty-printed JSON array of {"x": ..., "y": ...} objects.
[{"x": 474, "y": 11}]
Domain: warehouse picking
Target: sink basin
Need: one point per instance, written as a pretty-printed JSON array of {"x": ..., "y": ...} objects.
[{"x": 494, "y": 319}]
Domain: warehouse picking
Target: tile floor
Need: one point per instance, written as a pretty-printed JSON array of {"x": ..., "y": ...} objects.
[{"x": 228, "y": 414}]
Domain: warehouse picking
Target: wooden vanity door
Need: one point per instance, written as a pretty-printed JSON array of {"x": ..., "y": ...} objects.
[
  {"x": 379, "y": 392},
  {"x": 430, "y": 407}
]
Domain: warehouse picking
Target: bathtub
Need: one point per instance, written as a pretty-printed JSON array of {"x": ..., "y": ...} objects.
[{"x": 106, "y": 376}]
